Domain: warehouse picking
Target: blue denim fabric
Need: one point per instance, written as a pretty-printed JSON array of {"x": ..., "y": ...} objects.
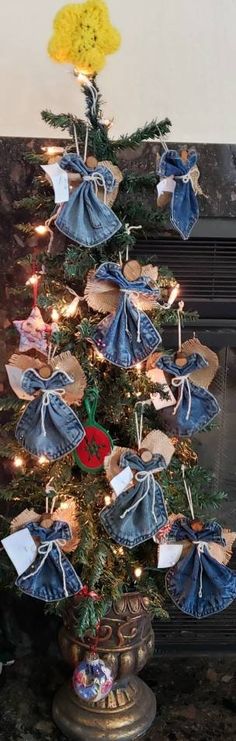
[
  {"x": 63, "y": 428},
  {"x": 184, "y": 204},
  {"x": 51, "y": 577},
  {"x": 204, "y": 406},
  {"x": 183, "y": 581},
  {"x": 84, "y": 218},
  {"x": 144, "y": 500},
  {"x": 117, "y": 336}
]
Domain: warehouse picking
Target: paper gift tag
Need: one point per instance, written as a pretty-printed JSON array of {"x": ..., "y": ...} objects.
[
  {"x": 160, "y": 402},
  {"x": 59, "y": 180},
  {"x": 21, "y": 549},
  {"x": 166, "y": 185},
  {"x": 168, "y": 554},
  {"x": 122, "y": 480}
]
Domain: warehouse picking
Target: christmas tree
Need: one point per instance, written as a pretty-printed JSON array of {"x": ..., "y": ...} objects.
[{"x": 77, "y": 269}]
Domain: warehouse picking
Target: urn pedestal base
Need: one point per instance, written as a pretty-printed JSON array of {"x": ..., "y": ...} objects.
[{"x": 125, "y": 714}]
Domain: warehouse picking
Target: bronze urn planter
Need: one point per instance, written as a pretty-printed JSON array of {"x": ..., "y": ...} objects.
[{"x": 126, "y": 643}]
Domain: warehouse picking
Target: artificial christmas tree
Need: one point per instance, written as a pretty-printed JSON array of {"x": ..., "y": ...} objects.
[{"x": 79, "y": 363}]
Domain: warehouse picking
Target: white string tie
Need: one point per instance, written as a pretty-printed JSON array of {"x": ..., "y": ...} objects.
[
  {"x": 141, "y": 477},
  {"x": 201, "y": 545},
  {"x": 181, "y": 382},
  {"x": 44, "y": 550},
  {"x": 188, "y": 177},
  {"x": 187, "y": 491},
  {"x": 98, "y": 181},
  {"x": 86, "y": 142},
  {"x": 46, "y": 398},
  {"x": 76, "y": 139},
  {"x": 48, "y": 489}
]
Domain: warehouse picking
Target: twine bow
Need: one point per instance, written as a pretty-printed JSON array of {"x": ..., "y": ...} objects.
[
  {"x": 44, "y": 549},
  {"x": 181, "y": 382},
  {"x": 98, "y": 181},
  {"x": 142, "y": 477},
  {"x": 201, "y": 545},
  {"x": 59, "y": 393}
]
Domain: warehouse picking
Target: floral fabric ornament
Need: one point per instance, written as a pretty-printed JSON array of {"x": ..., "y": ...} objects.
[
  {"x": 33, "y": 332},
  {"x": 92, "y": 679},
  {"x": 126, "y": 336},
  {"x": 195, "y": 406},
  {"x": 84, "y": 218},
  {"x": 184, "y": 187},
  {"x": 138, "y": 511},
  {"x": 83, "y": 36},
  {"x": 200, "y": 583}
]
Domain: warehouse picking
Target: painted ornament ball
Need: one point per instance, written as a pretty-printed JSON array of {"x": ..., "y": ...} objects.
[{"x": 92, "y": 679}]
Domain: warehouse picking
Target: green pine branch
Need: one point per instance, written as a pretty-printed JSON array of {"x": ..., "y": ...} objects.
[{"x": 152, "y": 130}]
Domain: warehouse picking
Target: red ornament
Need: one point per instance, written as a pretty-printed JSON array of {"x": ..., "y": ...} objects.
[{"x": 96, "y": 444}]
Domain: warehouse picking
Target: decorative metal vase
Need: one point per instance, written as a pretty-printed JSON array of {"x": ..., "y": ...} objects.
[{"x": 126, "y": 643}]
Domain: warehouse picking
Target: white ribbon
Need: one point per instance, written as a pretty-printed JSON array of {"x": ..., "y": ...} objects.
[
  {"x": 187, "y": 491},
  {"x": 98, "y": 181},
  {"x": 179, "y": 382},
  {"x": 200, "y": 544},
  {"x": 188, "y": 177},
  {"x": 141, "y": 477},
  {"x": 45, "y": 549},
  {"x": 45, "y": 403},
  {"x": 48, "y": 489}
]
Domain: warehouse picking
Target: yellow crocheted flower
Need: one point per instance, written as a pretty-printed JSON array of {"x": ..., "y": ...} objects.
[{"x": 83, "y": 35}]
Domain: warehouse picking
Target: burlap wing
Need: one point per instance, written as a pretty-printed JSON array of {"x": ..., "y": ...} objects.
[
  {"x": 111, "y": 462},
  {"x": 221, "y": 553},
  {"x": 23, "y": 519},
  {"x": 101, "y": 295},
  {"x": 157, "y": 442},
  {"x": 111, "y": 197},
  {"x": 203, "y": 376},
  {"x": 70, "y": 365}
]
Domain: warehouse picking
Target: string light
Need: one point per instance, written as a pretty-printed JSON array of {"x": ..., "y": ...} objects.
[
  {"x": 42, "y": 459},
  {"x": 33, "y": 280},
  {"x": 53, "y": 150},
  {"x": 138, "y": 368},
  {"x": 138, "y": 393},
  {"x": 71, "y": 309},
  {"x": 107, "y": 500},
  {"x": 18, "y": 461},
  {"x": 138, "y": 572},
  {"x": 41, "y": 229},
  {"x": 55, "y": 315},
  {"x": 173, "y": 295},
  {"x": 99, "y": 355}
]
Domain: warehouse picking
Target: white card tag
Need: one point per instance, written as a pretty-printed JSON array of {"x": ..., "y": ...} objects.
[
  {"x": 168, "y": 554},
  {"x": 161, "y": 402},
  {"x": 166, "y": 185},
  {"x": 59, "y": 178},
  {"x": 21, "y": 549},
  {"x": 121, "y": 482}
]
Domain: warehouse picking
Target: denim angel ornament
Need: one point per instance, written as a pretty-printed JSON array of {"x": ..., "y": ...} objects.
[
  {"x": 48, "y": 426},
  {"x": 200, "y": 583},
  {"x": 126, "y": 336},
  {"x": 179, "y": 177},
  {"x": 195, "y": 406},
  {"x": 138, "y": 509},
  {"x": 49, "y": 575},
  {"x": 84, "y": 217}
]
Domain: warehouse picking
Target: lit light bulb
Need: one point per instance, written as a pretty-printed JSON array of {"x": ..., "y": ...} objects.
[
  {"x": 18, "y": 461},
  {"x": 55, "y": 315},
  {"x": 99, "y": 355},
  {"x": 42, "y": 459},
  {"x": 41, "y": 229},
  {"x": 138, "y": 572},
  {"x": 139, "y": 393},
  {"x": 82, "y": 78},
  {"x": 138, "y": 368},
  {"x": 33, "y": 280},
  {"x": 121, "y": 551},
  {"x": 107, "y": 500},
  {"x": 72, "y": 308},
  {"x": 64, "y": 505},
  {"x": 173, "y": 295}
]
